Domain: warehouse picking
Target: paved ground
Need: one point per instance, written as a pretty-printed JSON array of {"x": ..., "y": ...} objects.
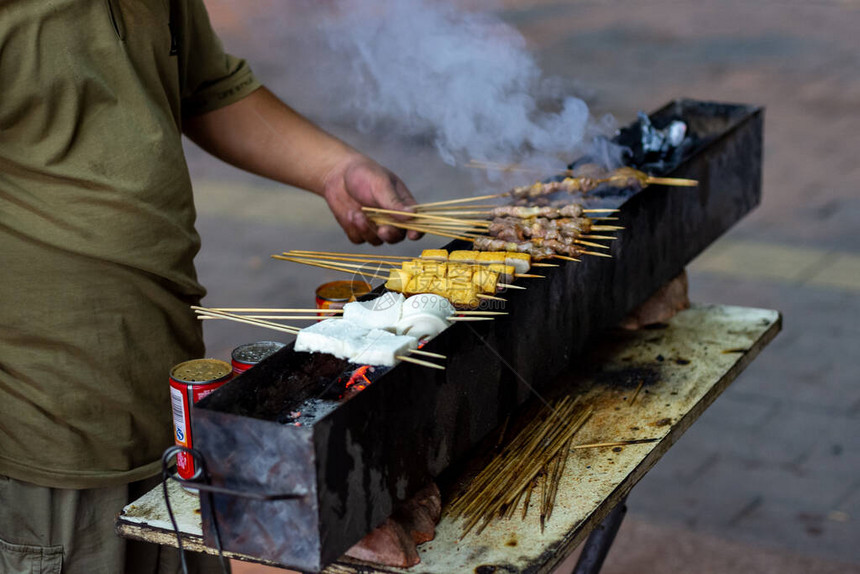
[{"x": 769, "y": 479}]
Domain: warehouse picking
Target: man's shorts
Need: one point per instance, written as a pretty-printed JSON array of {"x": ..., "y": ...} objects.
[{"x": 65, "y": 531}]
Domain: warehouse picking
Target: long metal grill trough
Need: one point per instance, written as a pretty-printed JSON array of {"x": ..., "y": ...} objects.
[{"x": 355, "y": 455}]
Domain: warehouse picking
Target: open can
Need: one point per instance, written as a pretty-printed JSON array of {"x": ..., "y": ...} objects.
[
  {"x": 189, "y": 382},
  {"x": 246, "y": 356},
  {"x": 336, "y": 294}
]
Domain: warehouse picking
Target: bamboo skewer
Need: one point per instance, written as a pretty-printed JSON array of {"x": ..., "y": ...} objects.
[
  {"x": 335, "y": 259},
  {"x": 306, "y": 252},
  {"x": 419, "y": 362},
  {"x": 488, "y": 212},
  {"x": 636, "y": 394},
  {"x": 422, "y": 229},
  {"x": 275, "y": 317},
  {"x": 472, "y": 237},
  {"x": 327, "y": 262},
  {"x": 344, "y": 259},
  {"x": 257, "y": 322},
  {"x": 482, "y": 313},
  {"x": 421, "y": 206},
  {"x": 332, "y": 267},
  {"x": 455, "y": 208},
  {"x": 469, "y": 315},
  {"x": 528, "y": 499},
  {"x": 464, "y": 224},
  {"x": 435, "y": 226},
  {"x": 647, "y": 179},
  {"x": 414, "y": 215},
  {"x": 272, "y": 310},
  {"x": 590, "y": 244},
  {"x": 351, "y": 257},
  {"x": 427, "y": 354},
  {"x": 672, "y": 181},
  {"x": 490, "y": 297},
  {"x": 597, "y": 254},
  {"x": 613, "y": 444}
]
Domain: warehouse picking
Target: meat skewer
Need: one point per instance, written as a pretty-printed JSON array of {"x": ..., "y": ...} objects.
[
  {"x": 515, "y": 229},
  {"x": 524, "y": 211},
  {"x": 537, "y": 247},
  {"x": 620, "y": 178}
]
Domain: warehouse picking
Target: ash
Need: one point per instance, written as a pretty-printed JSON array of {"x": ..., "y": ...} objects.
[{"x": 308, "y": 412}]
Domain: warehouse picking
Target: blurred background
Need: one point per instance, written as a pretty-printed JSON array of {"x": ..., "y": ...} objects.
[{"x": 768, "y": 480}]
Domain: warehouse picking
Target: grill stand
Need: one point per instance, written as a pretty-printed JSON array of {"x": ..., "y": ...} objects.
[
  {"x": 703, "y": 350},
  {"x": 600, "y": 541}
]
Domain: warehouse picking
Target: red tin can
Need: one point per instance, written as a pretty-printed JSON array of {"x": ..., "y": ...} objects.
[
  {"x": 189, "y": 382},
  {"x": 336, "y": 294},
  {"x": 246, "y": 356}
]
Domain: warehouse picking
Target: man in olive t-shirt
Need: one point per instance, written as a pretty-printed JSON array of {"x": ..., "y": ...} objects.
[{"x": 97, "y": 243}]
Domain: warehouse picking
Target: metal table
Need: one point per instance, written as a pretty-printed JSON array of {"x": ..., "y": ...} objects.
[{"x": 678, "y": 368}]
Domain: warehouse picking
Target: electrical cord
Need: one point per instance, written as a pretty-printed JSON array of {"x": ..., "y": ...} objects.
[{"x": 201, "y": 481}]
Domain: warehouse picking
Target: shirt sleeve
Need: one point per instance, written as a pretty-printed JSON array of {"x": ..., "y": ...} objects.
[{"x": 211, "y": 78}]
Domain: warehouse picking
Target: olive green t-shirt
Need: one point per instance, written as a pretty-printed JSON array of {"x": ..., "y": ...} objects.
[{"x": 97, "y": 235}]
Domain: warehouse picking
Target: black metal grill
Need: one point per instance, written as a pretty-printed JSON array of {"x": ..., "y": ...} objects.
[{"x": 379, "y": 446}]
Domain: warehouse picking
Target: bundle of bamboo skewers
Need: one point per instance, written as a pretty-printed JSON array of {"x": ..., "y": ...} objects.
[
  {"x": 534, "y": 459},
  {"x": 563, "y": 238},
  {"x": 530, "y": 466},
  {"x": 468, "y": 219}
]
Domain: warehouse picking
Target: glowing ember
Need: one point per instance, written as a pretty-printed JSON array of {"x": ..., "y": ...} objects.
[{"x": 359, "y": 381}]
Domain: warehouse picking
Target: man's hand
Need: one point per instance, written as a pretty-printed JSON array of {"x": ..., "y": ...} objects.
[
  {"x": 358, "y": 182},
  {"x": 261, "y": 134}
]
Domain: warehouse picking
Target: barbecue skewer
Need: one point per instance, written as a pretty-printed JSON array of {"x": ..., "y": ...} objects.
[
  {"x": 327, "y": 266},
  {"x": 331, "y": 311},
  {"x": 303, "y": 251},
  {"x": 412, "y": 214},
  {"x": 202, "y": 311},
  {"x": 419, "y": 362},
  {"x": 623, "y": 172},
  {"x": 422, "y": 229},
  {"x": 472, "y": 237},
  {"x": 476, "y": 263},
  {"x": 421, "y": 206},
  {"x": 427, "y": 354},
  {"x": 350, "y": 266},
  {"x": 570, "y": 210},
  {"x": 273, "y": 310},
  {"x": 401, "y": 258},
  {"x": 453, "y": 318},
  {"x": 336, "y": 258},
  {"x": 274, "y": 317},
  {"x": 311, "y": 261}
]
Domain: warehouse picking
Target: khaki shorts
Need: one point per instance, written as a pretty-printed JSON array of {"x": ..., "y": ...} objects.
[{"x": 64, "y": 531}]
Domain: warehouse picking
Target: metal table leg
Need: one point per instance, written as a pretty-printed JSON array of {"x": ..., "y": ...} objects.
[{"x": 600, "y": 540}]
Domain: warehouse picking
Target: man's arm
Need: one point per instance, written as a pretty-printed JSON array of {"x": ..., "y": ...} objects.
[{"x": 261, "y": 134}]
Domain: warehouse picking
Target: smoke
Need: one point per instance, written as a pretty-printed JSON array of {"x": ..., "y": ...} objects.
[{"x": 463, "y": 79}]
